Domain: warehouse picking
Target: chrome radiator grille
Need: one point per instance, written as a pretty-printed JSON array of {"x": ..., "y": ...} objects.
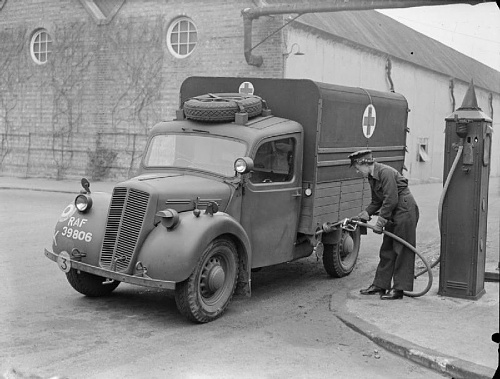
[{"x": 125, "y": 218}]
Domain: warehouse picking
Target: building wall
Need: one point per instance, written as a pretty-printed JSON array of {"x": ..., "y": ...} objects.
[
  {"x": 427, "y": 92},
  {"x": 88, "y": 110}
]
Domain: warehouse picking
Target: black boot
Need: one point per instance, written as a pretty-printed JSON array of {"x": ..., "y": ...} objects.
[
  {"x": 393, "y": 294},
  {"x": 372, "y": 290}
]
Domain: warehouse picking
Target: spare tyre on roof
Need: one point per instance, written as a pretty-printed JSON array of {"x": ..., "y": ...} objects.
[{"x": 222, "y": 106}]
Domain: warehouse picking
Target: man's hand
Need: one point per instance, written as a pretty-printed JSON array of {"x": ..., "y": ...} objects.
[
  {"x": 364, "y": 216},
  {"x": 379, "y": 226}
]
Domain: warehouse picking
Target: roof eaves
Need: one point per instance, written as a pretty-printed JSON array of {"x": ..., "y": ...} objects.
[
  {"x": 421, "y": 49},
  {"x": 381, "y": 53}
]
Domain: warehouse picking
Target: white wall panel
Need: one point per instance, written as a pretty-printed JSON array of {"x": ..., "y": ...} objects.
[{"x": 427, "y": 93}]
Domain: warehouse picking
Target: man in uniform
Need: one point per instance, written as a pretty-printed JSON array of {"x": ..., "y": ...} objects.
[{"x": 398, "y": 214}]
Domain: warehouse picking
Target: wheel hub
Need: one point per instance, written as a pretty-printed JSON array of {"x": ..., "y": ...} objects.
[
  {"x": 346, "y": 244},
  {"x": 216, "y": 278},
  {"x": 212, "y": 278}
]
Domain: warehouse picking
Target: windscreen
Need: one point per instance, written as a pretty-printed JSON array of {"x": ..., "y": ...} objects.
[{"x": 200, "y": 152}]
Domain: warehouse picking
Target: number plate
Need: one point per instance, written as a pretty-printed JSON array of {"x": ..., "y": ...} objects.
[{"x": 63, "y": 261}]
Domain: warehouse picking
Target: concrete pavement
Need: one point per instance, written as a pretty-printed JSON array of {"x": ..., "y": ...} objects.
[{"x": 449, "y": 335}]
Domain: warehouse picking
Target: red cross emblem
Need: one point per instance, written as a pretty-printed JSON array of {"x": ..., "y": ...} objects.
[
  {"x": 246, "y": 88},
  {"x": 369, "y": 121}
]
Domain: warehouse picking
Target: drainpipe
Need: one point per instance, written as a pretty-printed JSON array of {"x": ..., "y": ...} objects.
[
  {"x": 250, "y": 14},
  {"x": 388, "y": 70},
  {"x": 490, "y": 103},
  {"x": 452, "y": 94},
  {"x": 253, "y": 60}
]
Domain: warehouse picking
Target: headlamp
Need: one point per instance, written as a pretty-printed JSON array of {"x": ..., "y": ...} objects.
[
  {"x": 243, "y": 165},
  {"x": 83, "y": 203}
]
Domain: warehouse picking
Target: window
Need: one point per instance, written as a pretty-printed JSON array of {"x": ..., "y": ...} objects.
[
  {"x": 41, "y": 46},
  {"x": 274, "y": 161},
  {"x": 422, "y": 153},
  {"x": 182, "y": 37}
]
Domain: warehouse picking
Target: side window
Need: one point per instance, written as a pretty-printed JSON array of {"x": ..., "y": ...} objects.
[{"x": 274, "y": 161}]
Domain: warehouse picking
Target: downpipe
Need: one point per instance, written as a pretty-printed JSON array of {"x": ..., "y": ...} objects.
[{"x": 253, "y": 60}]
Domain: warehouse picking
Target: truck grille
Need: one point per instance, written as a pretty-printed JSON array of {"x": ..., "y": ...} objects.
[{"x": 123, "y": 228}]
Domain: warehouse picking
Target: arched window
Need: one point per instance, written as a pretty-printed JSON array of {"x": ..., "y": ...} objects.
[
  {"x": 182, "y": 37},
  {"x": 41, "y": 46}
]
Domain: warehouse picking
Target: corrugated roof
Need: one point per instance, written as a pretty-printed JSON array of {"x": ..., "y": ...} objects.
[{"x": 380, "y": 32}]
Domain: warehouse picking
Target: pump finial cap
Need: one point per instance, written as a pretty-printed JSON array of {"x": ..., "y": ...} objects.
[{"x": 470, "y": 99}]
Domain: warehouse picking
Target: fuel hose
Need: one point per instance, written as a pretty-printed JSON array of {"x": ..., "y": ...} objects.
[
  {"x": 441, "y": 200},
  {"x": 409, "y": 246}
]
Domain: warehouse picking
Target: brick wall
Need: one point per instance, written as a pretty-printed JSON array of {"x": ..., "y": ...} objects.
[{"x": 88, "y": 110}]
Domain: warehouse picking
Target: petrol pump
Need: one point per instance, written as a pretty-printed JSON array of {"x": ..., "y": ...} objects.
[{"x": 463, "y": 219}]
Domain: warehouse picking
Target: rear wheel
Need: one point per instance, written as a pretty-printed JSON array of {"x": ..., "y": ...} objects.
[
  {"x": 205, "y": 295},
  {"x": 89, "y": 284},
  {"x": 340, "y": 258}
]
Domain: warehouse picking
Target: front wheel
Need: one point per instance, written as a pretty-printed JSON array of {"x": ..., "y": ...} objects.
[
  {"x": 205, "y": 295},
  {"x": 90, "y": 284},
  {"x": 340, "y": 258}
]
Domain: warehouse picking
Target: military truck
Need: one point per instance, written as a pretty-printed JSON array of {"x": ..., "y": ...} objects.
[{"x": 251, "y": 173}]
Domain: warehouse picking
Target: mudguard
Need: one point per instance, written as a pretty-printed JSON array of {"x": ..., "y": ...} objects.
[
  {"x": 83, "y": 231},
  {"x": 173, "y": 254}
]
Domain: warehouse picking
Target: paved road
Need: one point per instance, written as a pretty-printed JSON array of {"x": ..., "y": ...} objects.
[{"x": 285, "y": 330}]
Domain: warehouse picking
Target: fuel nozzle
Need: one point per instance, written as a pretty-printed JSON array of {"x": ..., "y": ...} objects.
[
  {"x": 348, "y": 224},
  {"x": 356, "y": 223}
]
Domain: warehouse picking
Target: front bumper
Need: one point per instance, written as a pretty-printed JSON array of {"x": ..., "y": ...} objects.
[{"x": 132, "y": 279}]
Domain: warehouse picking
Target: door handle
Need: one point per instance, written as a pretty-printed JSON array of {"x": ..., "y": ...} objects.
[{"x": 298, "y": 193}]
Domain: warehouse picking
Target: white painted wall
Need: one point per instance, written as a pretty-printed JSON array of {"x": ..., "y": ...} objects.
[{"x": 427, "y": 93}]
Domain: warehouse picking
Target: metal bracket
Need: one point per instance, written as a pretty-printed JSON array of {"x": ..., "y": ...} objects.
[
  {"x": 77, "y": 254},
  {"x": 141, "y": 270},
  {"x": 115, "y": 261}
]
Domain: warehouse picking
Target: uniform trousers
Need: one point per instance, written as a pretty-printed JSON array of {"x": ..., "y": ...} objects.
[{"x": 397, "y": 262}]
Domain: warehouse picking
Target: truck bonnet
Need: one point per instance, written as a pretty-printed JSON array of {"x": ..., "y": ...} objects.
[{"x": 182, "y": 192}]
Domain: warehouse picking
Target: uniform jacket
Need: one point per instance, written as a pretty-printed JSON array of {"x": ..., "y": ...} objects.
[{"x": 387, "y": 185}]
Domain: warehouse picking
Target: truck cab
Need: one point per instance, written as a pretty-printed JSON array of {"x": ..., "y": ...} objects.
[
  {"x": 238, "y": 181},
  {"x": 207, "y": 152}
]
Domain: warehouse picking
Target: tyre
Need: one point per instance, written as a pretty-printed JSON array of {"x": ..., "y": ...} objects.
[
  {"x": 205, "y": 295},
  {"x": 89, "y": 284},
  {"x": 221, "y": 106},
  {"x": 339, "y": 259}
]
